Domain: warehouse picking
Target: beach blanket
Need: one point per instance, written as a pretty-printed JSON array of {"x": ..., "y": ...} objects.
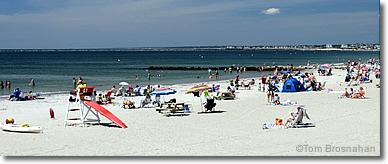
[{"x": 272, "y": 126}]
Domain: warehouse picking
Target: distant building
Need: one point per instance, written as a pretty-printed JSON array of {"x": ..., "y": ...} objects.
[{"x": 344, "y": 46}]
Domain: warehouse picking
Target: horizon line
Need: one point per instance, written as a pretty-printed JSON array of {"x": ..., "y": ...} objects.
[{"x": 182, "y": 47}]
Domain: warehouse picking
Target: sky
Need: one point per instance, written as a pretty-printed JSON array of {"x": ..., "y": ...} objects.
[{"x": 171, "y": 23}]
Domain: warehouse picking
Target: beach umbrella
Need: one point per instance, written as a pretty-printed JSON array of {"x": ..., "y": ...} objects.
[
  {"x": 198, "y": 88},
  {"x": 285, "y": 72},
  {"x": 326, "y": 65},
  {"x": 163, "y": 91},
  {"x": 123, "y": 83}
]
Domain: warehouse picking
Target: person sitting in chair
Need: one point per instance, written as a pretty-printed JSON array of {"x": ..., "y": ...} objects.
[
  {"x": 290, "y": 119},
  {"x": 137, "y": 90},
  {"x": 147, "y": 99},
  {"x": 210, "y": 104}
]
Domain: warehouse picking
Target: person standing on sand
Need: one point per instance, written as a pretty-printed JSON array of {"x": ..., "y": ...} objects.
[
  {"x": 216, "y": 74},
  {"x": 270, "y": 93},
  {"x": 236, "y": 81},
  {"x": 313, "y": 81},
  {"x": 263, "y": 80}
]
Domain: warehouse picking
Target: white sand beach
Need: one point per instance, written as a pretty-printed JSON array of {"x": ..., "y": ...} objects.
[{"x": 339, "y": 124}]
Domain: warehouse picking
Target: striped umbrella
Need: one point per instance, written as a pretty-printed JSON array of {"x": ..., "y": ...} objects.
[
  {"x": 163, "y": 91},
  {"x": 326, "y": 65},
  {"x": 198, "y": 88}
]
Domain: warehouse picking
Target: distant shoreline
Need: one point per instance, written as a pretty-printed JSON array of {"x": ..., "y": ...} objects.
[{"x": 183, "y": 49}]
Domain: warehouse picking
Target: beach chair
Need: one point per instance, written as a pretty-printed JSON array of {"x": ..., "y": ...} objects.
[
  {"x": 128, "y": 103},
  {"x": 76, "y": 105},
  {"x": 323, "y": 85},
  {"x": 224, "y": 96},
  {"x": 157, "y": 101},
  {"x": 147, "y": 103},
  {"x": 210, "y": 104},
  {"x": 246, "y": 85},
  {"x": 298, "y": 123}
]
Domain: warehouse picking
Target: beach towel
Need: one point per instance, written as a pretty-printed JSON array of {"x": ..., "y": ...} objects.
[{"x": 272, "y": 126}]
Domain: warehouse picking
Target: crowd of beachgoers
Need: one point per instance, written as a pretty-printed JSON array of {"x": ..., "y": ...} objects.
[
  {"x": 325, "y": 96},
  {"x": 272, "y": 85}
]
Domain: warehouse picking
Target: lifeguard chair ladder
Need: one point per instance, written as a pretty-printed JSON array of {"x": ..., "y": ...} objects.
[{"x": 78, "y": 107}]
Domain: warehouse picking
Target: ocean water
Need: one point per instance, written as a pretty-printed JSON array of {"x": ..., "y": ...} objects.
[{"x": 53, "y": 71}]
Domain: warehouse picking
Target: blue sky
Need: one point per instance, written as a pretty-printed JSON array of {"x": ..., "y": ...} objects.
[{"x": 164, "y": 23}]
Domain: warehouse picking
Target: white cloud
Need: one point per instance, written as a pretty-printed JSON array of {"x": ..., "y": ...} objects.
[{"x": 271, "y": 11}]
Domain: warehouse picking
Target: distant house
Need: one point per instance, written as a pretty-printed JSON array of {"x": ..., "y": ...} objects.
[{"x": 344, "y": 46}]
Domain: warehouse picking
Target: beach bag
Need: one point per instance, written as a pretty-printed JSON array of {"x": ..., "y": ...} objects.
[
  {"x": 186, "y": 108},
  {"x": 278, "y": 121}
]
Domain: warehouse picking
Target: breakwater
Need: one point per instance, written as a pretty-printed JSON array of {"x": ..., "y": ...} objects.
[{"x": 247, "y": 68}]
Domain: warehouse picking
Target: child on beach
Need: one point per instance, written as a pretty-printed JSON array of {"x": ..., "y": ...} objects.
[{"x": 276, "y": 99}]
